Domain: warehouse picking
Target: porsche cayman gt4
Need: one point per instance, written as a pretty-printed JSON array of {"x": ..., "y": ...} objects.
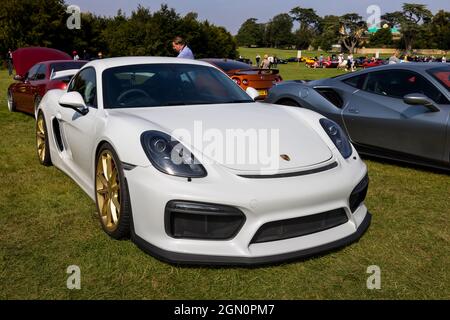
[{"x": 140, "y": 135}]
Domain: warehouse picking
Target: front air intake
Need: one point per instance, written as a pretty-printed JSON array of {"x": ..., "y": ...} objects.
[
  {"x": 297, "y": 227},
  {"x": 207, "y": 221}
]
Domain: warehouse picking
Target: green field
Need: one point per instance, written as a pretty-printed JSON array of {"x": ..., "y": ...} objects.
[
  {"x": 291, "y": 71},
  {"x": 47, "y": 224}
]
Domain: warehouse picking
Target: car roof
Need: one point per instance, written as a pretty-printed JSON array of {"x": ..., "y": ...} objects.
[
  {"x": 106, "y": 63},
  {"x": 415, "y": 66}
]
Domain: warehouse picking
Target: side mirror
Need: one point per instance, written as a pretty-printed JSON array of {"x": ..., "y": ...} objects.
[
  {"x": 18, "y": 77},
  {"x": 73, "y": 100},
  {"x": 252, "y": 92},
  {"x": 417, "y": 99}
]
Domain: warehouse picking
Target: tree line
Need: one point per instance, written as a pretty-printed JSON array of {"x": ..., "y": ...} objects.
[
  {"x": 43, "y": 23},
  {"x": 418, "y": 27}
]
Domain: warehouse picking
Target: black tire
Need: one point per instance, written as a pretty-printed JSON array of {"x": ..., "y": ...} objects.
[
  {"x": 11, "y": 102},
  {"x": 288, "y": 102},
  {"x": 121, "y": 228},
  {"x": 42, "y": 144}
]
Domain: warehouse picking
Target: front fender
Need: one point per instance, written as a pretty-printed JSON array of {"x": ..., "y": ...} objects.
[{"x": 123, "y": 132}]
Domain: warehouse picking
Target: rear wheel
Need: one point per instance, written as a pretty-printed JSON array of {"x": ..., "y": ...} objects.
[
  {"x": 42, "y": 147},
  {"x": 112, "y": 197},
  {"x": 11, "y": 103}
]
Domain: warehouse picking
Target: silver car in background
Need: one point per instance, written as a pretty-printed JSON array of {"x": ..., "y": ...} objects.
[{"x": 399, "y": 111}]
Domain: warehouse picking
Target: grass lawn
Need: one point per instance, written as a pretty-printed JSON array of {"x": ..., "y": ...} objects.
[{"x": 47, "y": 224}]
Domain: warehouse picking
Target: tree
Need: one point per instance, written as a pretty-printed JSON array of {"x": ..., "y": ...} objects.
[
  {"x": 440, "y": 28},
  {"x": 250, "y": 33},
  {"x": 279, "y": 30},
  {"x": 33, "y": 23},
  {"x": 352, "y": 28},
  {"x": 412, "y": 20},
  {"x": 328, "y": 32},
  {"x": 147, "y": 33},
  {"x": 381, "y": 38},
  {"x": 307, "y": 18},
  {"x": 309, "y": 25}
]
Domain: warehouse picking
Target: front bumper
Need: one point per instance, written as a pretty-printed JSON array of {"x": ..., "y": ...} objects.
[
  {"x": 261, "y": 200},
  {"x": 196, "y": 259}
]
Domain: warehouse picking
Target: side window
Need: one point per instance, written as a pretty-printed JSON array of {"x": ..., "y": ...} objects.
[
  {"x": 399, "y": 83},
  {"x": 31, "y": 74},
  {"x": 40, "y": 73},
  {"x": 85, "y": 83},
  {"x": 357, "y": 81}
]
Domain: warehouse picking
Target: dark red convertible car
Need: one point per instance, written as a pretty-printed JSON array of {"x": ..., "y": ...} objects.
[{"x": 37, "y": 71}]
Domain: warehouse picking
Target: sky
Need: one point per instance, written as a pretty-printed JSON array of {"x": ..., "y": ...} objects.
[{"x": 232, "y": 13}]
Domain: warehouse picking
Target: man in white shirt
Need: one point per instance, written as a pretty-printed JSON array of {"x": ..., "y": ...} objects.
[{"x": 180, "y": 46}]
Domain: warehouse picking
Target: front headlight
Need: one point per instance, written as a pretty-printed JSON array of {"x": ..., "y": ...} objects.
[
  {"x": 170, "y": 156},
  {"x": 338, "y": 137}
]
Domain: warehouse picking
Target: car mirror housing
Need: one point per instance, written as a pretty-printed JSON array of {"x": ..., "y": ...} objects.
[
  {"x": 73, "y": 100},
  {"x": 418, "y": 99},
  {"x": 252, "y": 92}
]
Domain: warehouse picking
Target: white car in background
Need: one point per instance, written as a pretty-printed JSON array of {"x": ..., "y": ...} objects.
[{"x": 123, "y": 132}]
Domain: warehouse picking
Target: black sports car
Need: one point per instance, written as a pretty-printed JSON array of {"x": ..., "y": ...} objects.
[{"x": 398, "y": 111}]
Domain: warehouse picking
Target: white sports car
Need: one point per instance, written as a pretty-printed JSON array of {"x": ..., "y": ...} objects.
[{"x": 187, "y": 164}]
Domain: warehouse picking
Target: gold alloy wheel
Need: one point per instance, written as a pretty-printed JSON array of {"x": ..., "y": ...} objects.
[
  {"x": 108, "y": 190},
  {"x": 40, "y": 137}
]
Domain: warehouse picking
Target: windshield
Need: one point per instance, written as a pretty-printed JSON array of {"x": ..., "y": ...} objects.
[
  {"x": 156, "y": 85},
  {"x": 441, "y": 74},
  {"x": 66, "y": 65}
]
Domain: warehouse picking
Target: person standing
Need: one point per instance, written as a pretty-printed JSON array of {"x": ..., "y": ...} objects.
[
  {"x": 270, "y": 61},
  {"x": 321, "y": 60},
  {"x": 394, "y": 58},
  {"x": 275, "y": 62},
  {"x": 9, "y": 61},
  {"x": 350, "y": 62},
  {"x": 258, "y": 59},
  {"x": 180, "y": 46},
  {"x": 76, "y": 57},
  {"x": 86, "y": 55},
  {"x": 265, "y": 63}
]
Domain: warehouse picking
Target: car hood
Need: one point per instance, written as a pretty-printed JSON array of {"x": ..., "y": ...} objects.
[
  {"x": 277, "y": 140},
  {"x": 25, "y": 58}
]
